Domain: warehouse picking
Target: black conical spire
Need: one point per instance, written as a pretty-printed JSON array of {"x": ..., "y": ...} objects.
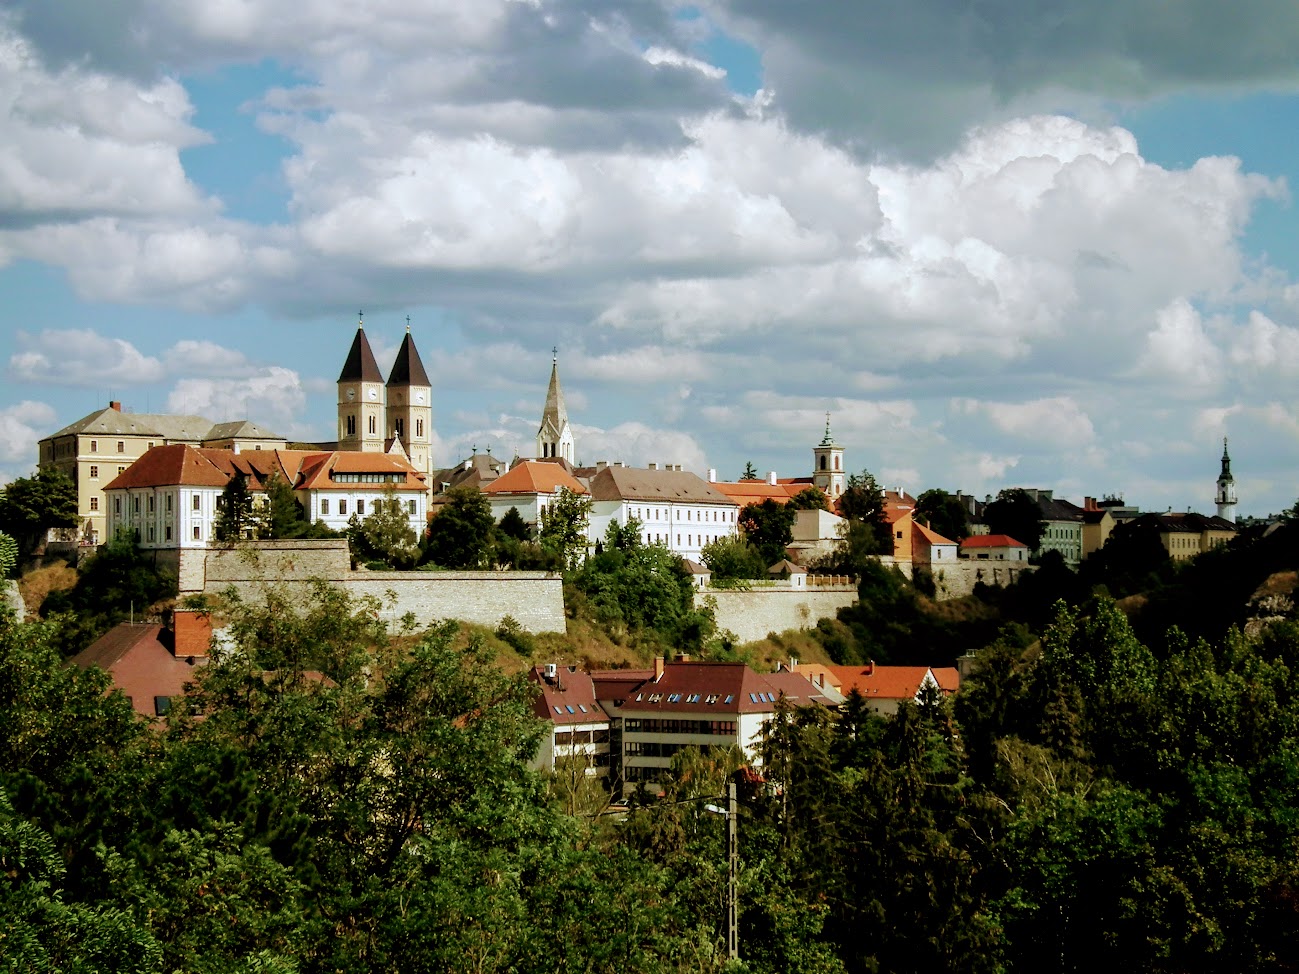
[
  {"x": 360, "y": 365},
  {"x": 1226, "y": 462},
  {"x": 408, "y": 370}
]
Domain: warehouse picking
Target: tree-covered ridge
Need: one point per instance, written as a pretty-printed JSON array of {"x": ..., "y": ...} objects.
[{"x": 354, "y": 801}]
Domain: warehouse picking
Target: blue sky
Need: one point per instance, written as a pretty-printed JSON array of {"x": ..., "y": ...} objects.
[{"x": 1056, "y": 253}]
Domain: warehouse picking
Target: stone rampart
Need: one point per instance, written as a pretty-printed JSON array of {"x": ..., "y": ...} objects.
[
  {"x": 751, "y": 615},
  {"x": 535, "y": 599},
  {"x": 956, "y": 579},
  {"x": 12, "y": 598}
]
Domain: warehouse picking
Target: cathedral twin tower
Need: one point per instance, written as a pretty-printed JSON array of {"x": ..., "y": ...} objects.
[{"x": 377, "y": 417}]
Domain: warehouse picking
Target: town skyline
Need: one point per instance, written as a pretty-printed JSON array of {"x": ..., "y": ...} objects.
[{"x": 1076, "y": 272}]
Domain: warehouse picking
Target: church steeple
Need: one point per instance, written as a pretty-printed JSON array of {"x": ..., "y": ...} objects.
[
  {"x": 827, "y": 465},
  {"x": 1225, "y": 498},
  {"x": 410, "y": 409},
  {"x": 554, "y": 436},
  {"x": 361, "y": 425}
]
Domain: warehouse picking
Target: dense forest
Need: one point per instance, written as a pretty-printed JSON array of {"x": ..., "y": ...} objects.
[{"x": 338, "y": 797}]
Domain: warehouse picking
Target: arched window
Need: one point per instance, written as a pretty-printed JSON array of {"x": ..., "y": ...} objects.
[{"x": 836, "y": 463}]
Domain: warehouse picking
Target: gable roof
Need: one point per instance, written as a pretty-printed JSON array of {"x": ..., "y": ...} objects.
[
  {"x": 992, "y": 541},
  {"x": 114, "y": 422},
  {"x": 241, "y": 429},
  {"x": 534, "y": 477},
  {"x": 705, "y": 688},
  {"x": 317, "y": 470},
  {"x": 360, "y": 365},
  {"x": 637, "y": 484},
  {"x": 888, "y": 682},
  {"x": 407, "y": 369},
  {"x": 176, "y": 464},
  {"x": 568, "y": 699},
  {"x": 933, "y": 537},
  {"x": 139, "y": 658},
  {"x": 744, "y": 492}
]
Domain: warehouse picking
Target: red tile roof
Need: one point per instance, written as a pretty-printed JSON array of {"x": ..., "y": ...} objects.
[
  {"x": 166, "y": 466},
  {"x": 534, "y": 477},
  {"x": 745, "y": 492},
  {"x": 568, "y": 699},
  {"x": 889, "y": 682},
  {"x": 139, "y": 659},
  {"x": 317, "y": 468},
  {"x": 991, "y": 541},
  {"x": 933, "y": 537},
  {"x": 705, "y": 688}
]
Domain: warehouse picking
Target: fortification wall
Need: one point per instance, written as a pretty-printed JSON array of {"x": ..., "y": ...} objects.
[
  {"x": 956, "y": 579},
  {"x": 751, "y": 615},
  {"x": 11, "y": 597},
  {"x": 535, "y": 599}
]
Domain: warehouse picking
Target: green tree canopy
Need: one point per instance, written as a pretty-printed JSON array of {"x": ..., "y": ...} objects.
[
  {"x": 30, "y": 506},
  {"x": 513, "y": 526},
  {"x": 810, "y": 499},
  {"x": 733, "y": 558},
  {"x": 768, "y": 527},
  {"x": 564, "y": 526},
  {"x": 460, "y": 534},
  {"x": 388, "y": 532},
  {"x": 943, "y": 513},
  {"x": 1016, "y": 514},
  {"x": 862, "y": 501},
  {"x": 235, "y": 517}
]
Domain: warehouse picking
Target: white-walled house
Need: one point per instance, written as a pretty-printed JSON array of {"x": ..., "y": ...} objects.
[
  {"x": 577, "y": 726},
  {"x": 994, "y": 547},
  {"x": 675, "y": 507},
  {"x": 529, "y": 486},
  {"x": 169, "y": 497}
]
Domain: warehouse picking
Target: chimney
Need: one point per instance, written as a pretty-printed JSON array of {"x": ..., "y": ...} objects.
[
  {"x": 683, "y": 658},
  {"x": 601, "y": 464},
  {"x": 712, "y": 475},
  {"x": 651, "y": 466},
  {"x": 192, "y": 632},
  {"x": 114, "y": 404},
  {"x": 658, "y": 668},
  {"x": 771, "y": 478},
  {"x": 870, "y": 668}
]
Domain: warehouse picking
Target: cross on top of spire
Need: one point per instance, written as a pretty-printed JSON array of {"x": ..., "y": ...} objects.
[
  {"x": 828, "y": 440},
  {"x": 360, "y": 319},
  {"x": 408, "y": 324}
]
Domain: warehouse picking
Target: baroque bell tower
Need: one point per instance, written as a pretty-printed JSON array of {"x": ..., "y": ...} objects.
[
  {"x": 361, "y": 404},
  {"x": 1225, "y": 497},
  {"x": 410, "y": 405},
  {"x": 555, "y": 436},
  {"x": 827, "y": 465}
]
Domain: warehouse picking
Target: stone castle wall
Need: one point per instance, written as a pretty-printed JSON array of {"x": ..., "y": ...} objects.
[
  {"x": 535, "y": 599},
  {"x": 956, "y": 579},
  {"x": 751, "y": 615}
]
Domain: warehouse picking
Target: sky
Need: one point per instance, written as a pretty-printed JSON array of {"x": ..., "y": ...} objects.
[{"x": 1002, "y": 245}]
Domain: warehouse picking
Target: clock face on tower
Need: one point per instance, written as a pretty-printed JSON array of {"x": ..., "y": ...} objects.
[
  {"x": 419, "y": 397},
  {"x": 351, "y": 394},
  {"x": 374, "y": 394}
]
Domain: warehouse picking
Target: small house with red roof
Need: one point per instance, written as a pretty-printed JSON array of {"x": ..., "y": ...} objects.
[
  {"x": 577, "y": 726},
  {"x": 884, "y": 688},
  {"x": 530, "y": 486},
  {"x": 928, "y": 547},
  {"x": 151, "y": 664},
  {"x": 993, "y": 547}
]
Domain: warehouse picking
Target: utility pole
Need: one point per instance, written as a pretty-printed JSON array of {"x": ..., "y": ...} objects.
[{"x": 732, "y": 874}]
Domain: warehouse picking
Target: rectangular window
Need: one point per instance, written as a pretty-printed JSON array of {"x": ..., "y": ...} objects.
[
  {"x": 410, "y": 507},
  {"x": 342, "y": 507},
  {"x": 167, "y": 532},
  {"x": 401, "y": 427},
  {"x": 351, "y": 425},
  {"x": 195, "y": 504},
  {"x": 150, "y": 503},
  {"x": 150, "y": 532},
  {"x": 121, "y": 446},
  {"x": 135, "y": 504},
  {"x": 169, "y": 503},
  {"x": 94, "y": 472},
  {"x": 198, "y": 533},
  {"x": 94, "y": 446},
  {"x": 360, "y": 507},
  {"x": 419, "y": 427},
  {"x": 94, "y": 503},
  {"x": 117, "y": 505},
  {"x": 151, "y": 444},
  {"x": 324, "y": 505},
  {"x": 121, "y": 470},
  {"x": 371, "y": 425}
]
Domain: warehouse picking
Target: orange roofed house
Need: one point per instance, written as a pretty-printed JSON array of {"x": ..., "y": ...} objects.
[
  {"x": 150, "y": 664},
  {"x": 169, "y": 497},
  {"x": 994, "y": 547},
  {"x": 530, "y": 486},
  {"x": 883, "y": 688}
]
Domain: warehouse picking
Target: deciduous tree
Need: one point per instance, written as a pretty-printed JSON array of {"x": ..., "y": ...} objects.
[
  {"x": 460, "y": 535},
  {"x": 768, "y": 526},
  {"x": 564, "y": 524},
  {"x": 387, "y": 530},
  {"x": 30, "y": 506},
  {"x": 1016, "y": 514}
]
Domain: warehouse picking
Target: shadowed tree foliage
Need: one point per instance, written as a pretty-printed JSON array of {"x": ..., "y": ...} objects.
[
  {"x": 30, "y": 506},
  {"x": 768, "y": 526},
  {"x": 1016, "y": 514},
  {"x": 460, "y": 534}
]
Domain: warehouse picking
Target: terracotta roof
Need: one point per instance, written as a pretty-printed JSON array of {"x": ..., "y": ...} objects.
[
  {"x": 884, "y": 682},
  {"x": 569, "y": 699},
  {"x": 991, "y": 541},
  {"x": 948, "y": 677},
  {"x": 407, "y": 369},
  {"x": 317, "y": 469},
  {"x": 360, "y": 364},
  {"x": 617, "y": 685},
  {"x": 140, "y": 661},
  {"x": 534, "y": 477},
  {"x": 744, "y": 492},
  {"x": 176, "y": 464},
  {"x": 705, "y": 688},
  {"x": 799, "y": 690},
  {"x": 785, "y": 566},
  {"x": 637, "y": 484},
  {"x": 933, "y": 537}
]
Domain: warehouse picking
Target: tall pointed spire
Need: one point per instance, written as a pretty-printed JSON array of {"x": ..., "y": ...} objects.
[
  {"x": 1226, "y": 462},
  {"x": 555, "y": 436},
  {"x": 827, "y": 440},
  {"x": 360, "y": 365},
  {"x": 408, "y": 369},
  {"x": 1225, "y": 496}
]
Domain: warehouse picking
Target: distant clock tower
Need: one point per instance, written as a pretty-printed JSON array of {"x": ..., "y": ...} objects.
[
  {"x": 410, "y": 406},
  {"x": 827, "y": 465}
]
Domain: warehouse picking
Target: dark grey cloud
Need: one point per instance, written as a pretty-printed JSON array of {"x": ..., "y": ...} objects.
[{"x": 911, "y": 76}]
